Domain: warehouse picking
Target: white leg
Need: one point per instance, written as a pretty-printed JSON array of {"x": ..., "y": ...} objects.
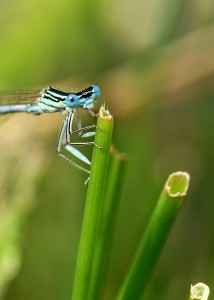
[
  {"x": 87, "y": 134},
  {"x": 64, "y": 140},
  {"x": 61, "y": 137}
]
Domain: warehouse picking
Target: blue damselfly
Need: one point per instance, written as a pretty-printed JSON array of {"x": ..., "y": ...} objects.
[{"x": 50, "y": 100}]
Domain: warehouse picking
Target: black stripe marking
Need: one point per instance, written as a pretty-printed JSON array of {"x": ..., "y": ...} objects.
[
  {"x": 62, "y": 93},
  {"x": 89, "y": 89},
  {"x": 54, "y": 95}
]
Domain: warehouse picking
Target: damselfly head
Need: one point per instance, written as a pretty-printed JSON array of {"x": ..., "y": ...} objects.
[{"x": 84, "y": 98}]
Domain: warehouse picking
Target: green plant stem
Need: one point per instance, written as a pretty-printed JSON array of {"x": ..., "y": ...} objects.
[
  {"x": 115, "y": 178},
  {"x": 94, "y": 198},
  {"x": 155, "y": 236},
  {"x": 199, "y": 291}
]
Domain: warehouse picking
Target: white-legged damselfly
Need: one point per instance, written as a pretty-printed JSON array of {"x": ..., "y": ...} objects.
[{"x": 51, "y": 100}]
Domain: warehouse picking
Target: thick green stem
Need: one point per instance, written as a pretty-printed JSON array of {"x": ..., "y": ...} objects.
[
  {"x": 155, "y": 236},
  {"x": 115, "y": 178},
  {"x": 93, "y": 204}
]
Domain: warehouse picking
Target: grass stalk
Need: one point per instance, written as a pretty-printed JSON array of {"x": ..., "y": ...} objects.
[
  {"x": 154, "y": 238},
  {"x": 115, "y": 178},
  {"x": 93, "y": 204}
]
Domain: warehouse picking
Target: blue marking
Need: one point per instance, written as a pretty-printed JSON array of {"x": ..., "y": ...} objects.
[{"x": 96, "y": 91}]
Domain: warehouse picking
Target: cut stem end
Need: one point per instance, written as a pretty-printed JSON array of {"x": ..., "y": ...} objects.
[
  {"x": 199, "y": 291},
  {"x": 104, "y": 113},
  {"x": 177, "y": 184}
]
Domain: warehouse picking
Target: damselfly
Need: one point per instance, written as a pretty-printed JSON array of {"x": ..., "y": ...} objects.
[{"x": 52, "y": 100}]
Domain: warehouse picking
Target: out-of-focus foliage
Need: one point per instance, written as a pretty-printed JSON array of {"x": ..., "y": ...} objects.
[{"x": 154, "y": 63}]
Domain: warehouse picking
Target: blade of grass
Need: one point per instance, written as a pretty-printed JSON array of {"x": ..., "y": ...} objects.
[
  {"x": 199, "y": 291},
  {"x": 115, "y": 178},
  {"x": 155, "y": 236},
  {"x": 94, "y": 198}
]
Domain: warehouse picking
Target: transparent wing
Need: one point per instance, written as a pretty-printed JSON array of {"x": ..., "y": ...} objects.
[
  {"x": 22, "y": 96},
  {"x": 13, "y": 97}
]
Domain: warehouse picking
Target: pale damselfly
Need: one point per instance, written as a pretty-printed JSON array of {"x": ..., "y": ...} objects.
[{"x": 50, "y": 100}]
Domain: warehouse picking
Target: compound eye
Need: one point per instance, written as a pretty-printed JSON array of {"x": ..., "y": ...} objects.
[
  {"x": 72, "y": 97},
  {"x": 96, "y": 91},
  {"x": 72, "y": 100}
]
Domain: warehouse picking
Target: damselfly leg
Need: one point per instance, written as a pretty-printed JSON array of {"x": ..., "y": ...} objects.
[{"x": 64, "y": 140}]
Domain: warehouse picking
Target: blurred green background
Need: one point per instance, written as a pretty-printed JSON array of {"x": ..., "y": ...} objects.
[{"x": 154, "y": 63}]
